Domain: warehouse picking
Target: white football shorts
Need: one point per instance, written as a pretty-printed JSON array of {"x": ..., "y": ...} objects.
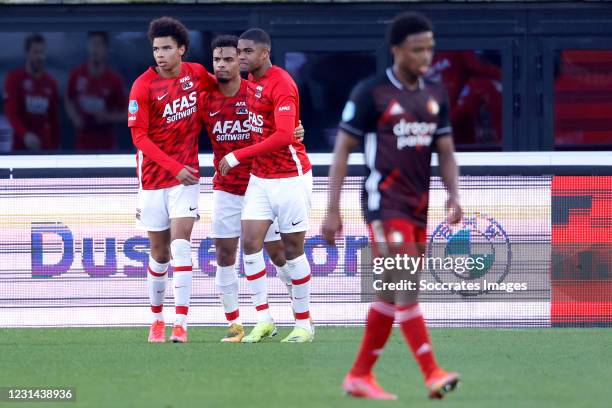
[
  {"x": 227, "y": 210},
  {"x": 156, "y": 207},
  {"x": 286, "y": 199}
]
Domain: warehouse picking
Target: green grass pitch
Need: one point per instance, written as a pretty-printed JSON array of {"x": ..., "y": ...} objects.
[{"x": 117, "y": 368}]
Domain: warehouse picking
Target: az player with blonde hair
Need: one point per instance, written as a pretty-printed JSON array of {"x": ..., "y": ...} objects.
[{"x": 165, "y": 128}]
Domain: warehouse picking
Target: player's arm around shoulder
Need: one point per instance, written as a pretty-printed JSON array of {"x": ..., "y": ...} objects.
[
  {"x": 285, "y": 119},
  {"x": 285, "y": 98},
  {"x": 208, "y": 81}
]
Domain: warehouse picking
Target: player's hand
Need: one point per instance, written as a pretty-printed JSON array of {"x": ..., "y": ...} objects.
[
  {"x": 454, "y": 212},
  {"x": 227, "y": 163},
  {"x": 224, "y": 167},
  {"x": 332, "y": 224},
  {"x": 32, "y": 141},
  {"x": 188, "y": 176},
  {"x": 299, "y": 133}
]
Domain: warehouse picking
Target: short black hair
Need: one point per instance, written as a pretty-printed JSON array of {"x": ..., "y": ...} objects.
[
  {"x": 406, "y": 24},
  {"x": 169, "y": 27},
  {"x": 258, "y": 36},
  {"x": 33, "y": 39},
  {"x": 102, "y": 34},
  {"x": 224, "y": 41}
]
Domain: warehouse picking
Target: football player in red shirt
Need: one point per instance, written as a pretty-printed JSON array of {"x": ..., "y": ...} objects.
[
  {"x": 162, "y": 115},
  {"x": 95, "y": 98},
  {"x": 32, "y": 101},
  {"x": 401, "y": 118},
  {"x": 225, "y": 116},
  {"x": 280, "y": 185}
]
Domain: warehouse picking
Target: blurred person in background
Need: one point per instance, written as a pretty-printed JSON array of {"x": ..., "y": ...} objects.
[
  {"x": 95, "y": 98},
  {"x": 31, "y": 100},
  {"x": 474, "y": 89}
]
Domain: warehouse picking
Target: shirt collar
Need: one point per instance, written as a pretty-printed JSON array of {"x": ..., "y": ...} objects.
[{"x": 398, "y": 84}]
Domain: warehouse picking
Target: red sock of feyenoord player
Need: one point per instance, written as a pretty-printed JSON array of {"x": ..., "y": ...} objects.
[
  {"x": 255, "y": 271},
  {"x": 379, "y": 323},
  {"x": 299, "y": 270},
  {"x": 226, "y": 280},
  {"x": 415, "y": 332},
  {"x": 157, "y": 278},
  {"x": 183, "y": 274}
]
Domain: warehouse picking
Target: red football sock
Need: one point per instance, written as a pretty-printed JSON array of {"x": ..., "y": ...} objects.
[
  {"x": 415, "y": 332},
  {"x": 378, "y": 328}
]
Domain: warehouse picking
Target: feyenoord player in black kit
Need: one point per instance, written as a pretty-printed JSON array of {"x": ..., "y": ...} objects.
[{"x": 400, "y": 118}]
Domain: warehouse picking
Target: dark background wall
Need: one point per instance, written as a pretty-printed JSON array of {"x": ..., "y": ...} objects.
[{"x": 328, "y": 47}]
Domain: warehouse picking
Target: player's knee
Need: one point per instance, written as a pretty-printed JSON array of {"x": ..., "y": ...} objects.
[
  {"x": 160, "y": 253},
  {"x": 385, "y": 295},
  {"x": 278, "y": 258},
  {"x": 405, "y": 297},
  {"x": 161, "y": 258},
  {"x": 252, "y": 245},
  {"x": 225, "y": 257},
  {"x": 276, "y": 253},
  {"x": 293, "y": 249},
  {"x": 181, "y": 250}
]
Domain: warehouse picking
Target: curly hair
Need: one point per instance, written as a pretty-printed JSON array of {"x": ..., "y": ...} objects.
[
  {"x": 406, "y": 24},
  {"x": 169, "y": 27}
]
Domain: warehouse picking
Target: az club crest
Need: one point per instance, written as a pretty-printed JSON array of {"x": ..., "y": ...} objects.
[{"x": 478, "y": 236}]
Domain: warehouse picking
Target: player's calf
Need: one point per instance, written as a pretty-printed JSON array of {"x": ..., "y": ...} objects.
[
  {"x": 226, "y": 281},
  {"x": 256, "y": 274},
  {"x": 299, "y": 270},
  {"x": 183, "y": 275}
]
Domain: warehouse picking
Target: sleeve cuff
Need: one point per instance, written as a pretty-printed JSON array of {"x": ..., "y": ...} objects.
[
  {"x": 177, "y": 169},
  {"x": 232, "y": 160},
  {"x": 353, "y": 131}
]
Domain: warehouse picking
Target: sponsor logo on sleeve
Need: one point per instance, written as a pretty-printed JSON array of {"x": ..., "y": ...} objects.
[
  {"x": 349, "y": 111},
  {"x": 133, "y": 107},
  {"x": 285, "y": 108}
]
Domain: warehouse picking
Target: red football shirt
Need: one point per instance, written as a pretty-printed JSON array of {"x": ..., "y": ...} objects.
[
  {"x": 165, "y": 109},
  {"x": 92, "y": 94},
  {"x": 226, "y": 119},
  {"x": 273, "y": 99},
  {"x": 32, "y": 105}
]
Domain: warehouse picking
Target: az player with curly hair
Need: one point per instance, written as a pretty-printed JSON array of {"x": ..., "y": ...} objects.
[{"x": 165, "y": 128}]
